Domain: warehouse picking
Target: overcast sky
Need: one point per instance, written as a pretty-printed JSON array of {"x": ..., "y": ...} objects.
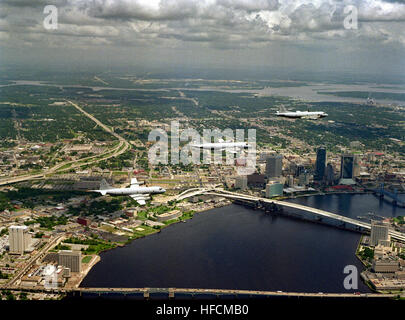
[{"x": 291, "y": 34}]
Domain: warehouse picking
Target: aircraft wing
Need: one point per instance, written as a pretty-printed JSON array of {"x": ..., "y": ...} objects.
[
  {"x": 134, "y": 182},
  {"x": 140, "y": 198},
  {"x": 316, "y": 117},
  {"x": 230, "y": 150}
]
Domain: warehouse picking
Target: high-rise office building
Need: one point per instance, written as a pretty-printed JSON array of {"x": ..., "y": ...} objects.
[
  {"x": 264, "y": 155},
  {"x": 70, "y": 259},
  {"x": 347, "y": 169},
  {"x": 290, "y": 181},
  {"x": 379, "y": 231},
  {"x": 241, "y": 182},
  {"x": 274, "y": 189},
  {"x": 320, "y": 164},
  {"x": 346, "y": 166},
  {"x": 274, "y": 166},
  {"x": 356, "y": 167},
  {"x": 330, "y": 175},
  {"x": 256, "y": 180},
  {"x": 300, "y": 169},
  {"x": 304, "y": 178},
  {"x": 19, "y": 239}
]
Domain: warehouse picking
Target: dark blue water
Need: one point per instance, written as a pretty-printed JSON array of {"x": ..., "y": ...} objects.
[
  {"x": 352, "y": 205},
  {"x": 239, "y": 248}
]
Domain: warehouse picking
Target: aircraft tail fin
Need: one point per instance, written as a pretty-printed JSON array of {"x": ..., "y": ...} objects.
[{"x": 104, "y": 185}]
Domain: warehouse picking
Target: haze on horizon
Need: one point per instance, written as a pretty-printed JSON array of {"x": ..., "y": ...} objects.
[{"x": 297, "y": 35}]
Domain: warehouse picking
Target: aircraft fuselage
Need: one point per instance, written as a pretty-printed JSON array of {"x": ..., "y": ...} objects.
[
  {"x": 302, "y": 114},
  {"x": 221, "y": 145},
  {"x": 131, "y": 190}
]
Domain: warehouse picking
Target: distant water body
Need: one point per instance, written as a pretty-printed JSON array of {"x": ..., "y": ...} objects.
[
  {"x": 308, "y": 92},
  {"x": 238, "y": 248}
]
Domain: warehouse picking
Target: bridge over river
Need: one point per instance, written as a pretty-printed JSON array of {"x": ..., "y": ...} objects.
[
  {"x": 173, "y": 293},
  {"x": 359, "y": 225}
]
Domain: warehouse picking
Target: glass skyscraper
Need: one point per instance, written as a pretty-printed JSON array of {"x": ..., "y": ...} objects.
[
  {"x": 274, "y": 166},
  {"x": 320, "y": 164},
  {"x": 346, "y": 166}
]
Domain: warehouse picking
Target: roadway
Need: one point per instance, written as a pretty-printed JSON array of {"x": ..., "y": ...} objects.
[
  {"x": 173, "y": 291},
  {"x": 32, "y": 260},
  {"x": 116, "y": 151},
  {"x": 233, "y": 195}
]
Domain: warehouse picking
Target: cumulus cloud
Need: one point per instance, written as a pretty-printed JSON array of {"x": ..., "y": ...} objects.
[
  {"x": 250, "y": 6},
  {"x": 216, "y": 23}
]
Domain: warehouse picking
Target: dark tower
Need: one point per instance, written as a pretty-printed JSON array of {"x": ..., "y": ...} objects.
[{"x": 320, "y": 164}]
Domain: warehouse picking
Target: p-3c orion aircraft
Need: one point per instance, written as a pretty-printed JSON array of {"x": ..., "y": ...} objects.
[
  {"x": 232, "y": 147},
  {"x": 312, "y": 115},
  {"x": 136, "y": 192}
]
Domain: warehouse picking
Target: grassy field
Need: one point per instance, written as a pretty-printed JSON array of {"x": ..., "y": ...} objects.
[{"x": 86, "y": 259}]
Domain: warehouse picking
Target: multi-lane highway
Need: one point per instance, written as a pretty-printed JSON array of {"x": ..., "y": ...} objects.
[
  {"x": 122, "y": 146},
  {"x": 32, "y": 260}
]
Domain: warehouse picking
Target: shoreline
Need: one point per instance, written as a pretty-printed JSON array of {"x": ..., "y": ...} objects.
[
  {"x": 213, "y": 206},
  {"x": 129, "y": 241}
]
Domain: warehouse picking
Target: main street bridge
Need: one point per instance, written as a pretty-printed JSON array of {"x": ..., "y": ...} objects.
[{"x": 321, "y": 214}]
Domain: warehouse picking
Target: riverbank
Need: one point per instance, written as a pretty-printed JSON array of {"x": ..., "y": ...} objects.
[
  {"x": 84, "y": 273},
  {"x": 197, "y": 210},
  {"x": 233, "y": 227},
  {"x": 234, "y": 247}
]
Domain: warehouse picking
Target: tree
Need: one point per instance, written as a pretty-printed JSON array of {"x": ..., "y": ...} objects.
[
  {"x": 23, "y": 296},
  {"x": 10, "y": 296},
  {"x": 367, "y": 253}
]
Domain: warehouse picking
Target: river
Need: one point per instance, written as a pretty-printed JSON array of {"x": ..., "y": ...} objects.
[{"x": 238, "y": 248}]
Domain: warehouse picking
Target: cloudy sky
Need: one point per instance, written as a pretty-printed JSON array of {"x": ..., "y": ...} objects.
[{"x": 291, "y": 34}]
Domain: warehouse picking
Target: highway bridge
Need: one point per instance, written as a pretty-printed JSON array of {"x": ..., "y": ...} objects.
[
  {"x": 173, "y": 293},
  {"x": 382, "y": 193},
  {"x": 318, "y": 212}
]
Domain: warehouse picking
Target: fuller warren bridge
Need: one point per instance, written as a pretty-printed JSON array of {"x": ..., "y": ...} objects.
[{"x": 320, "y": 214}]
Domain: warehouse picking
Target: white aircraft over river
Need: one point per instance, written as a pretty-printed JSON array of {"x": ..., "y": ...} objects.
[
  {"x": 312, "y": 115},
  {"x": 135, "y": 191},
  {"x": 232, "y": 147}
]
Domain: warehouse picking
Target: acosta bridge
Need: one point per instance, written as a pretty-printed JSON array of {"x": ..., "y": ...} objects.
[{"x": 320, "y": 214}]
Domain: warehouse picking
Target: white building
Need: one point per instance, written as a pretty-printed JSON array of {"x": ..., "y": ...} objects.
[
  {"x": 274, "y": 189},
  {"x": 19, "y": 239},
  {"x": 379, "y": 231}
]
